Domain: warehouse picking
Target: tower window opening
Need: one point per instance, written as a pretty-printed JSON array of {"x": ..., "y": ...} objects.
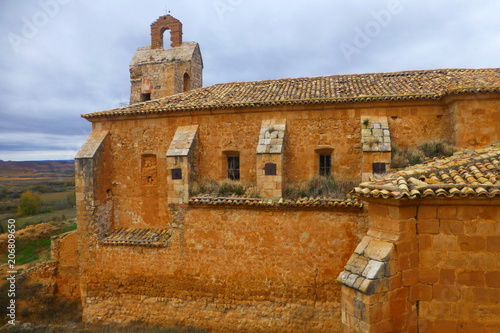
[
  {"x": 187, "y": 82},
  {"x": 145, "y": 97}
]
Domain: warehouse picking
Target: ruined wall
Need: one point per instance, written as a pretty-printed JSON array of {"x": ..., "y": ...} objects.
[
  {"x": 230, "y": 269},
  {"x": 429, "y": 267},
  {"x": 64, "y": 250}
]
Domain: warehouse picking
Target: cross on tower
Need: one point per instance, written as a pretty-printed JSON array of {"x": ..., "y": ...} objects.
[{"x": 166, "y": 10}]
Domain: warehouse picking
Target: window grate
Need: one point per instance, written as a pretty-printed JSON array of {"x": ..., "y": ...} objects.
[
  {"x": 325, "y": 164},
  {"x": 233, "y": 167}
]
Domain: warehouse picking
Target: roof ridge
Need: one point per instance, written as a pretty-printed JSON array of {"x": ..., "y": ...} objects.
[{"x": 338, "y": 88}]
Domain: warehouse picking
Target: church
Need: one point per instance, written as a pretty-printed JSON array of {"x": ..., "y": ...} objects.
[{"x": 411, "y": 250}]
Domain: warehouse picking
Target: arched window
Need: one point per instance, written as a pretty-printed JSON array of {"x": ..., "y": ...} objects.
[{"x": 187, "y": 82}]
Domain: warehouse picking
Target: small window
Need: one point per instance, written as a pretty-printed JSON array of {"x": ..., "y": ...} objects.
[
  {"x": 187, "y": 82},
  {"x": 233, "y": 167},
  {"x": 325, "y": 164},
  {"x": 378, "y": 167},
  {"x": 270, "y": 169},
  {"x": 145, "y": 97}
]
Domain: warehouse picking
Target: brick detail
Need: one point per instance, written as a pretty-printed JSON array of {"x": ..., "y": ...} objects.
[{"x": 159, "y": 26}]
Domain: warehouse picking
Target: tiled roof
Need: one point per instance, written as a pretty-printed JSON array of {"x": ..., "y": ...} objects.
[
  {"x": 249, "y": 202},
  {"x": 409, "y": 85},
  {"x": 468, "y": 173},
  {"x": 139, "y": 237}
]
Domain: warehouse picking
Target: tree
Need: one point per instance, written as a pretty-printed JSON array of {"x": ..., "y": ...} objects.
[{"x": 29, "y": 203}]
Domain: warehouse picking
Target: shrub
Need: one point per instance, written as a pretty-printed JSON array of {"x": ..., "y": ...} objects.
[
  {"x": 224, "y": 188},
  {"x": 318, "y": 186},
  {"x": 437, "y": 148},
  {"x": 29, "y": 203},
  {"x": 403, "y": 157}
]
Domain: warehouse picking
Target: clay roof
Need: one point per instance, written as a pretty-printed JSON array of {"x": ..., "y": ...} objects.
[
  {"x": 465, "y": 174},
  {"x": 249, "y": 202},
  {"x": 140, "y": 237},
  {"x": 409, "y": 85}
]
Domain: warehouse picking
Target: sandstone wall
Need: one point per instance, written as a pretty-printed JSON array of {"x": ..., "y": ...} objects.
[
  {"x": 309, "y": 128},
  {"x": 438, "y": 268},
  {"x": 229, "y": 269},
  {"x": 459, "y": 267},
  {"x": 476, "y": 120},
  {"x": 67, "y": 277}
]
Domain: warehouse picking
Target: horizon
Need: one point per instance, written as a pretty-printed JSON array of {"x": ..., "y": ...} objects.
[{"x": 72, "y": 58}]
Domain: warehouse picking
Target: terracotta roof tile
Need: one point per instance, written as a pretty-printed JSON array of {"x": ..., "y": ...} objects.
[
  {"x": 469, "y": 173},
  {"x": 409, "y": 85},
  {"x": 139, "y": 237},
  {"x": 257, "y": 202}
]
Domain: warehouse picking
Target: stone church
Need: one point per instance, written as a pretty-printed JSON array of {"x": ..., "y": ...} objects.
[{"x": 415, "y": 250}]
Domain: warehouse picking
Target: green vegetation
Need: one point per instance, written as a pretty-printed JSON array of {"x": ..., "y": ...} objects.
[
  {"x": 319, "y": 186},
  {"x": 403, "y": 157},
  {"x": 31, "y": 250},
  {"x": 224, "y": 188},
  {"x": 29, "y": 203}
]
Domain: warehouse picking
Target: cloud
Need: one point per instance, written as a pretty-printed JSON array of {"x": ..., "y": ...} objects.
[{"x": 72, "y": 56}]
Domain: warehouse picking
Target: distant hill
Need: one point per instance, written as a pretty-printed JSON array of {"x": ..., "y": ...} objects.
[{"x": 11, "y": 167}]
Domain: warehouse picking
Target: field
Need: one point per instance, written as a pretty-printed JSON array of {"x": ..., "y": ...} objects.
[{"x": 53, "y": 182}]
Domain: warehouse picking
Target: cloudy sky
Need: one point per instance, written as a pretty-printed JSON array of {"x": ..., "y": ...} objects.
[{"x": 62, "y": 58}]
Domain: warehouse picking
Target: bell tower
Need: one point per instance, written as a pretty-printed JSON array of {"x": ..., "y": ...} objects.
[{"x": 157, "y": 72}]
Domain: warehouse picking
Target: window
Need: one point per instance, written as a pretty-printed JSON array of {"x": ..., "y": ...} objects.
[
  {"x": 145, "y": 97},
  {"x": 325, "y": 164},
  {"x": 378, "y": 167},
  {"x": 187, "y": 82},
  {"x": 233, "y": 167}
]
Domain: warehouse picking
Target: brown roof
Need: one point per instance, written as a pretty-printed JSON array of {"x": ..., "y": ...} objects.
[
  {"x": 466, "y": 174},
  {"x": 409, "y": 85},
  {"x": 140, "y": 237},
  {"x": 281, "y": 203}
]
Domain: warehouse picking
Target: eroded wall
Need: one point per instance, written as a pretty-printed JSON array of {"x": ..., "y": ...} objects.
[{"x": 230, "y": 269}]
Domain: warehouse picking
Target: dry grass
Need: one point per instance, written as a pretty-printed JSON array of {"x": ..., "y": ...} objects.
[
  {"x": 403, "y": 156},
  {"x": 224, "y": 188},
  {"x": 319, "y": 186}
]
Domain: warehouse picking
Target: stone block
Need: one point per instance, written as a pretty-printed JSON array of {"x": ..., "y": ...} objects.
[
  {"x": 428, "y": 226},
  {"x": 356, "y": 264},
  {"x": 471, "y": 278},
  {"x": 493, "y": 243},
  {"x": 374, "y": 270},
  {"x": 409, "y": 277},
  {"x": 492, "y": 279},
  {"x": 379, "y": 250},
  {"x": 472, "y": 243},
  {"x": 362, "y": 245}
]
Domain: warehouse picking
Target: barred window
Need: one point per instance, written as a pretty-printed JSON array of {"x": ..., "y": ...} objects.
[
  {"x": 325, "y": 164},
  {"x": 233, "y": 167}
]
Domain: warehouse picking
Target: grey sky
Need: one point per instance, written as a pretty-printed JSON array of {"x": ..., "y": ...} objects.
[{"x": 62, "y": 58}]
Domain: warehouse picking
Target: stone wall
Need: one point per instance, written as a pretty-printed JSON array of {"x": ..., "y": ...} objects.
[
  {"x": 476, "y": 120},
  {"x": 64, "y": 250},
  {"x": 308, "y": 129},
  {"x": 229, "y": 269},
  {"x": 425, "y": 267}
]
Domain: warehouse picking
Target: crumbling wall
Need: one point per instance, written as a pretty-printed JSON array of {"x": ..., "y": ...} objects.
[{"x": 67, "y": 278}]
